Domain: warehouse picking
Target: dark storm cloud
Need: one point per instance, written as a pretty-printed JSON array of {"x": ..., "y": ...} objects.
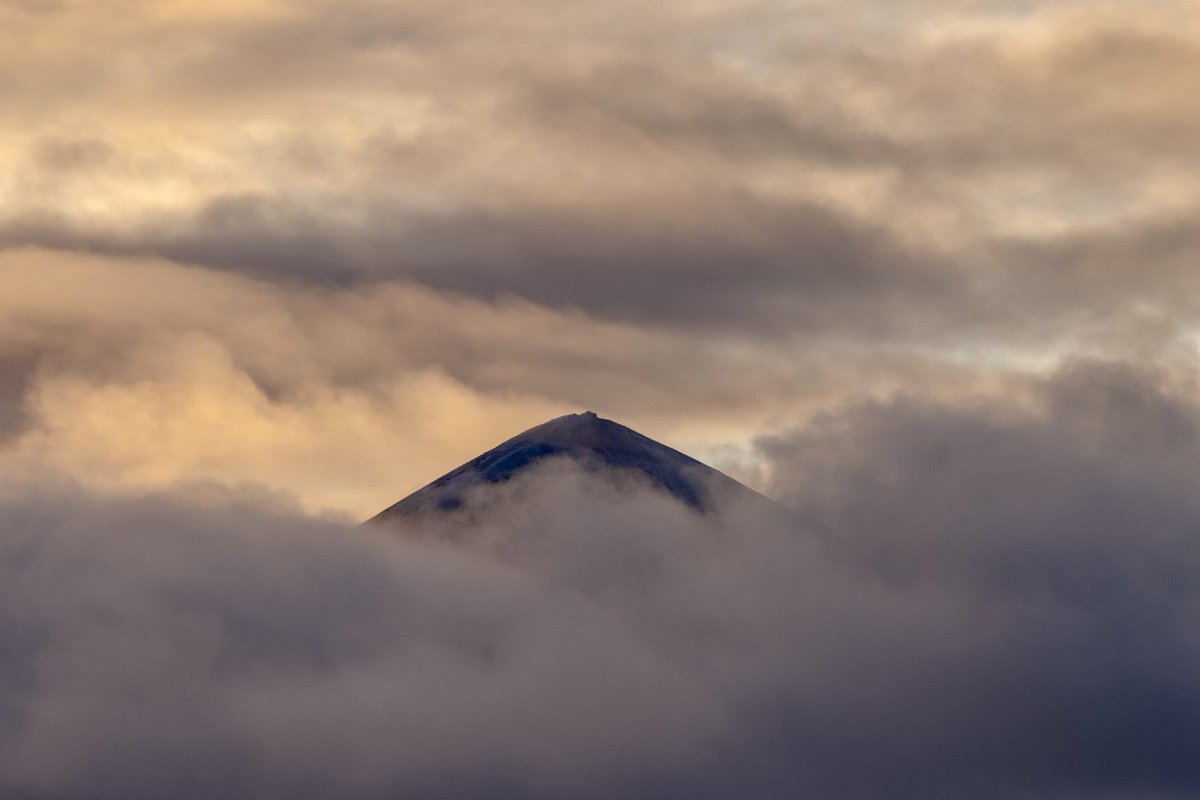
[
  {"x": 781, "y": 265},
  {"x": 994, "y": 601},
  {"x": 763, "y": 269},
  {"x": 714, "y": 261},
  {"x": 722, "y": 261}
]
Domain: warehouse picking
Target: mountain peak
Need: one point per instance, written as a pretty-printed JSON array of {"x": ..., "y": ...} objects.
[{"x": 587, "y": 440}]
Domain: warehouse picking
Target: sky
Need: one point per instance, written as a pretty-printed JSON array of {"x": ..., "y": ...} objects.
[
  {"x": 923, "y": 270},
  {"x": 338, "y": 248}
]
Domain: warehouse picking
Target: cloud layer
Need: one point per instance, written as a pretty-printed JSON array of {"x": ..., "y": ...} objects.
[
  {"x": 893, "y": 170},
  {"x": 979, "y": 602},
  {"x": 921, "y": 269}
]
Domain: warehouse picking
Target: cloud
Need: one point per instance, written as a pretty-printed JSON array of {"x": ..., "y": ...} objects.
[
  {"x": 265, "y": 261},
  {"x": 908, "y": 175},
  {"x": 170, "y": 644},
  {"x": 987, "y": 601},
  {"x": 1070, "y": 524},
  {"x": 667, "y": 263},
  {"x": 128, "y": 372},
  {"x": 135, "y": 372}
]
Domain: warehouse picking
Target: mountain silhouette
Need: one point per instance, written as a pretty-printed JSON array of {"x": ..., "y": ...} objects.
[{"x": 599, "y": 446}]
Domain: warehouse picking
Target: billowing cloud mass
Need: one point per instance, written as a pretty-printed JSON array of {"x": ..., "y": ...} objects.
[
  {"x": 978, "y": 602},
  {"x": 922, "y": 270}
]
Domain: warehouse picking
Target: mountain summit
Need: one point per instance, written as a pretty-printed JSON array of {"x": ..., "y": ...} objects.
[{"x": 597, "y": 445}]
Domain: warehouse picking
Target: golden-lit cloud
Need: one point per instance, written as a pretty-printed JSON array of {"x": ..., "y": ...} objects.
[
  {"x": 192, "y": 415},
  {"x": 131, "y": 372},
  {"x": 300, "y": 225}
]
